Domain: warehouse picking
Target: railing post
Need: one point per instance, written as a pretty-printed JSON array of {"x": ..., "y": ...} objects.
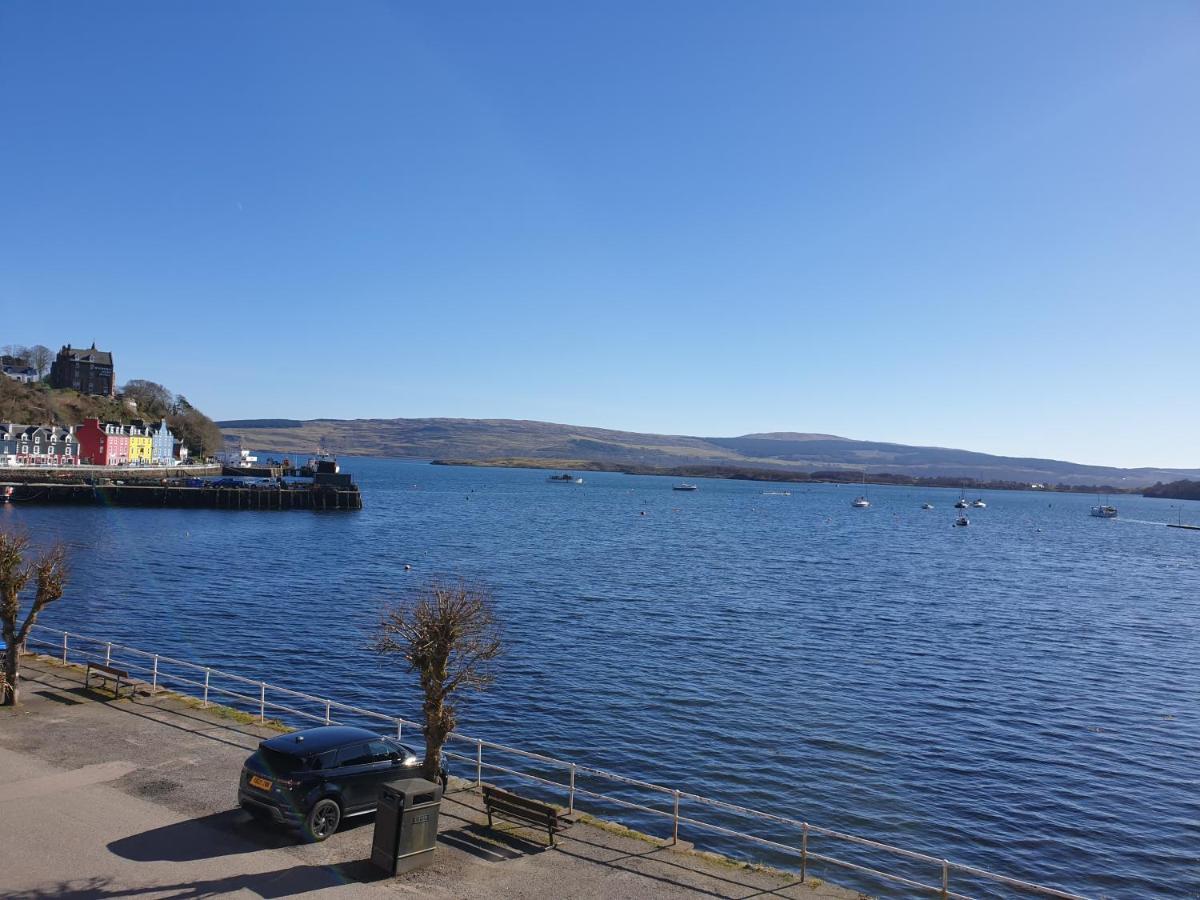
[
  {"x": 803, "y": 851},
  {"x": 945, "y": 878},
  {"x": 262, "y": 701},
  {"x": 571, "y": 796},
  {"x": 479, "y": 763},
  {"x": 108, "y": 654},
  {"x": 154, "y": 679},
  {"x": 399, "y": 729},
  {"x": 64, "y": 648},
  {"x": 207, "y": 672},
  {"x": 327, "y": 706},
  {"x": 676, "y": 817}
]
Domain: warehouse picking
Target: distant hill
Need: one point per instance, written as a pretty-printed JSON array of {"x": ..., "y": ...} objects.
[{"x": 557, "y": 445}]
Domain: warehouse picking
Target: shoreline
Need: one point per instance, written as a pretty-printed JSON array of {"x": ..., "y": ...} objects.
[{"x": 737, "y": 473}]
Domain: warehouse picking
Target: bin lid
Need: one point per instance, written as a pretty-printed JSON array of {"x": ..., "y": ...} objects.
[{"x": 414, "y": 790}]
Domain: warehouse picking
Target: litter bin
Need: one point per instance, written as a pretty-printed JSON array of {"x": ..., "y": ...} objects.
[{"x": 406, "y": 825}]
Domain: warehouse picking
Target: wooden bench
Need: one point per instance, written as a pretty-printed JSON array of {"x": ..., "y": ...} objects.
[
  {"x": 107, "y": 673},
  {"x": 519, "y": 809}
]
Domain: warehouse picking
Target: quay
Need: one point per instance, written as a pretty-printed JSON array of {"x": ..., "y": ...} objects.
[
  {"x": 317, "y": 495},
  {"x": 137, "y": 797},
  {"x": 73, "y": 474}
]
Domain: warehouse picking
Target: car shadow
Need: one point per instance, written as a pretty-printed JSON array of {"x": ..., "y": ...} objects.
[{"x": 227, "y": 833}]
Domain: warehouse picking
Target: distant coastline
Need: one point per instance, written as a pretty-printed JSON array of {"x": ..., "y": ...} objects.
[{"x": 740, "y": 473}]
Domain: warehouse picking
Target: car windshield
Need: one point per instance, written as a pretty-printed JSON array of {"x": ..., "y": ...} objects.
[{"x": 286, "y": 763}]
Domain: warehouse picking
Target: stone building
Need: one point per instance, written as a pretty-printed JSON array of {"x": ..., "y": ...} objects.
[{"x": 87, "y": 371}]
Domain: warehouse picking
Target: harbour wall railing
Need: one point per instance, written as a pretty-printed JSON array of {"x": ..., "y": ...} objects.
[{"x": 789, "y": 842}]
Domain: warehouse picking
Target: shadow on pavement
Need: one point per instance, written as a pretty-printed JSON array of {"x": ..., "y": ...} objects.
[
  {"x": 225, "y": 833},
  {"x": 289, "y": 882}
]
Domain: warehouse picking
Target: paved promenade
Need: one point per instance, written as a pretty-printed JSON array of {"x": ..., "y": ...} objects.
[{"x": 136, "y": 798}]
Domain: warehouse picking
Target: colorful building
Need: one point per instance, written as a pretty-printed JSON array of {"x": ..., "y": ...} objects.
[
  {"x": 163, "y": 441},
  {"x": 103, "y": 443},
  {"x": 141, "y": 444}
]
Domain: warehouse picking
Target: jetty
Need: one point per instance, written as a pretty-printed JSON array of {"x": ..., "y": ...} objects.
[{"x": 209, "y": 495}]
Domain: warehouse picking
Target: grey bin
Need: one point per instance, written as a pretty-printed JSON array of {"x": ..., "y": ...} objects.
[{"x": 406, "y": 825}]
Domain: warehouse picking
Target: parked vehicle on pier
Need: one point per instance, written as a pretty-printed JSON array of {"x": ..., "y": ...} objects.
[{"x": 313, "y": 779}]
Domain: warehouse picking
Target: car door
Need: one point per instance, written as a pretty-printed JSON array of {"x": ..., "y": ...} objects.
[{"x": 362, "y": 768}]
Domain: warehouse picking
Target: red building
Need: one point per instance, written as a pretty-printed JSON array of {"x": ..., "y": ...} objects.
[{"x": 102, "y": 443}]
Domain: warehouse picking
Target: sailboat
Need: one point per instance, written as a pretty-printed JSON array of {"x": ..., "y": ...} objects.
[
  {"x": 861, "y": 501},
  {"x": 962, "y": 503},
  {"x": 1104, "y": 511}
]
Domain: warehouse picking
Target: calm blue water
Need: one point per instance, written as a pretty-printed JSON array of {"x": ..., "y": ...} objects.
[{"x": 1021, "y": 695}]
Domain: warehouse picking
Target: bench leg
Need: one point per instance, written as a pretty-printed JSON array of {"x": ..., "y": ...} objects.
[
  {"x": 550, "y": 831},
  {"x": 490, "y": 825}
]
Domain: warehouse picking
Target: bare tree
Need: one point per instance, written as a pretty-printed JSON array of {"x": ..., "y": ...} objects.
[
  {"x": 49, "y": 575},
  {"x": 40, "y": 356},
  {"x": 449, "y": 636}
]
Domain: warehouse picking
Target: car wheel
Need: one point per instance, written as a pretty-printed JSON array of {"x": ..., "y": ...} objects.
[{"x": 323, "y": 820}]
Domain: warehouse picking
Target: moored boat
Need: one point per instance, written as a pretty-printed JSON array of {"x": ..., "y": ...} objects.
[
  {"x": 685, "y": 486},
  {"x": 1104, "y": 512},
  {"x": 564, "y": 478}
]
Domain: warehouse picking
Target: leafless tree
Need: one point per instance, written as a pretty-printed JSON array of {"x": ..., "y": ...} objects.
[
  {"x": 449, "y": 636},
  {"x": 40, "y": 357},
  {"x": 49, "y": 574}
]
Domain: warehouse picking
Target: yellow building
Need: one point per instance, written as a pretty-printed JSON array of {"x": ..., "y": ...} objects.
[{"x": 141, "y": 445}]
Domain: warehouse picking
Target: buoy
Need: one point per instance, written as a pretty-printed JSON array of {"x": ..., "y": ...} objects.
[
  {"x": 407, "y": 567},
  {"x": 643, "y": 512}
]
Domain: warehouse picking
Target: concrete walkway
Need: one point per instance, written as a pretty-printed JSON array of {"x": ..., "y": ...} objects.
[{"x": 137, "y": 798}]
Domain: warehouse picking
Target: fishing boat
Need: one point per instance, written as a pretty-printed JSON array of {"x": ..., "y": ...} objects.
[
  {"x": 1104, "y": 512},
  {"x": 962, "y": 521},
  {"x": 979, "y": 504},
  {"x": 961, "y": 502},
  {"x": 564, "y": 479},
  {"x": 684, "y": 486}
]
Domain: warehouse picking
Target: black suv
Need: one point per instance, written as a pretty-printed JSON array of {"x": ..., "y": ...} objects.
[{"x": 314, "y": 778}]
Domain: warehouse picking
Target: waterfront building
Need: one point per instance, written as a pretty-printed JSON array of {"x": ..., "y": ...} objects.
[
  {"x": 38, "y": 445},
  {"x": 87, "y": 371},
  {"x": 163, "y": 444},
  {"x": 141, "y": 444},
  {"x": 103, "y": 443},
  {"x": 9, "y": 443}
]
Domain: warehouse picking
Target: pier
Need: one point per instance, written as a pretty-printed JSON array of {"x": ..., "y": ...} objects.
[{"x": 209, "y": 495}]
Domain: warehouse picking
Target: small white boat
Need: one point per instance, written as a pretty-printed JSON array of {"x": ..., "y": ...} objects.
[
  {"x": 564, "y": 479},
  {"x": 777, "y": 493},
  {"x": 684, "y": 486},
  {"x": 861, "y": 501},
  {"x": 1104, "y": 512},
  {"x": 979, "y": 504},
  {"x": 962, "y": 521},
  {"x": 926, "y": 506}
]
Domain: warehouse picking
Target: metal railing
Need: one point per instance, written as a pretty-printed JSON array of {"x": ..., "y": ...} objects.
[{"x": 787, "y": 836}]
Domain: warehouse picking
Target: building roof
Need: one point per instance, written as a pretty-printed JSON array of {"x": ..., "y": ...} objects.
[{"x": 90, "y": 355}]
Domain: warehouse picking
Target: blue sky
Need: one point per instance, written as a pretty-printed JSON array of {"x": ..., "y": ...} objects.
[{"x": 964, "y": 224}]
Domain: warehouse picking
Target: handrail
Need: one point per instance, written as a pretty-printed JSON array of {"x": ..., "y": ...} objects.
[{"x": 62, "y": 650}]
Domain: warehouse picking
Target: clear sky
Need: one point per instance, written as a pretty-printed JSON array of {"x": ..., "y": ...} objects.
[{"x": 968, "y": 224}]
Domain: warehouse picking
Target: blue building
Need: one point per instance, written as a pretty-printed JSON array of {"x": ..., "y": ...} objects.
[{"x": 163, "y": 446}]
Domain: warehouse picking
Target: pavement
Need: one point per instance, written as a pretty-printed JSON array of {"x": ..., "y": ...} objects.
[{"x": 136, "y": 798}]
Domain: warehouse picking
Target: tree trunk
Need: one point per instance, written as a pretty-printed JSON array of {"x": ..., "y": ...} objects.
[
  {"x": 10, "y": 676},
  {"x": 436, "y": 730}
]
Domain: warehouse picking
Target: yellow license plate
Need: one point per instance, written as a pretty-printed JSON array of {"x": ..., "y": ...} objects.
[{"x": 261, "y": 783}]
